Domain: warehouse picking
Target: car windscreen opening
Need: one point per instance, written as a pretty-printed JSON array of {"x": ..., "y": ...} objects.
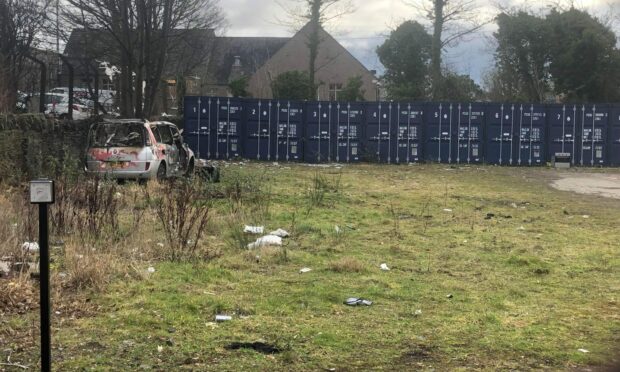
[{"x": 117, "y": 135}]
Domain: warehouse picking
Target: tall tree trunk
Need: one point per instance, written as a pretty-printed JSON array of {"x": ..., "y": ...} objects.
[
  {"x": 313, "y": 44},
  {"x": 436, "y": 78}
]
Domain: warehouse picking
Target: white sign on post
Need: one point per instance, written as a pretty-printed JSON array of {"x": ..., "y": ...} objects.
[{"x": 42, "y": 192}]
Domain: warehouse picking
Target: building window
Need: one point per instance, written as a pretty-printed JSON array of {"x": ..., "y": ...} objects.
[
  {"x": 334, "y": 89},
  {"x": 191, "y": 86},
  {"x": 107, "y": 84}
]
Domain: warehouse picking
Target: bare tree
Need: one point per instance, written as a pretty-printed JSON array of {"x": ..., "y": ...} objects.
[
  {"x": 451, "y": 21},
  {"x": 20, "y": 24},
  {"x": 142, "y": 32},
  {"x": 314, "y": 14}
]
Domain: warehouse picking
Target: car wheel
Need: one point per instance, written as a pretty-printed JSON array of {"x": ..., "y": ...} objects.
[
  {"x": 161, "y": 171},
  {"x": 190, "y": 169}
]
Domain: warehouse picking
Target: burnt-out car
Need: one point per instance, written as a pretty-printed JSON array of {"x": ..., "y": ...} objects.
[{"x": 138, "y": 149}]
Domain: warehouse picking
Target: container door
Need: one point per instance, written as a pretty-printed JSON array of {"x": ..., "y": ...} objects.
[
  {"x": 500, "y": 131},
  {"x": 381, "y": 123},
  {"x": 229, "y": 115},
  {"x": 593, "y": 135},
  {"x": 409, "y": 133},
  {"x": 319, "y": 146},
  {"x": 531, "y": 140},
  {"x": 563, "y": 124},
  {"x": 289, "y": 131},
  {"x": 614, "y": 137},
  {"x": 258, "y": 142},
  {"x": 440, "y": 132},
  {"x": 469, "y": 136},
  {"x": 199, "y": 126},
  {"x": 349, "y": 131}
]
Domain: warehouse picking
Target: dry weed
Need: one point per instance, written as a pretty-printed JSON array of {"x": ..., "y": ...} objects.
[{"x": 347, "y": 265}]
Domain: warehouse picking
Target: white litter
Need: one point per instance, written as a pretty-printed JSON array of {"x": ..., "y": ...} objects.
[
  {"x": 280, "y": 232},
  {"x": 585, "y": 216},
  {"x": 30, "y": 247},
  {"x": 151, "y": 269},
  {"x": 305, "y": 270},
  {"x": 418, "y": 312},
  {"x": 161, "y": 245},
  {"x": 447, "y": 210},
  {"x": 254, "y": 229},
  {"x": 514, "y": 205},
  {"x": 338, "y": 231},
  {"x": 521, "y": 228},
  {"x": 160, "y": 348},
  {"x": 266, "y": 241},
  {"x": 223, "y": 318},
  {"x": 583, "y": 350},
  {"x": 384, "y": 267}
]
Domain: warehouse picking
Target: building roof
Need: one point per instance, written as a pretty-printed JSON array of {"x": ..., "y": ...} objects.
[
  {"x": 188, "y": 50},
  {"x": 250, "y": 52}
]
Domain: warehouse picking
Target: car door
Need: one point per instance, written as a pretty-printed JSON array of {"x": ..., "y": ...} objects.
[{"x": 172, "y": 153}]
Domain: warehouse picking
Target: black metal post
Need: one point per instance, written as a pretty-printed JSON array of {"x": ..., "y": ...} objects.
[
  {"x": 70, "y": 69},
  {"x": 43, "y": 82},
  {"x": 96, "y": 97},
  {"x": 44, "y": 278}
]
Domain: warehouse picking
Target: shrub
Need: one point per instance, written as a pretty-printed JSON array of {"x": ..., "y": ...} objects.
[{"x": 182, "y": 208}]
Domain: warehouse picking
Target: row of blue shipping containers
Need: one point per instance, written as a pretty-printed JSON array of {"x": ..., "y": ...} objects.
[{"x": 396, "y": 132}]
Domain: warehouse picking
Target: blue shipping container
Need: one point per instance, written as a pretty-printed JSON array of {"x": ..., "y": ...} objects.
[
  {"x": 441, "y": 129},
  {"x": 320, "y": 132},
  {"x": 260, "y": 129},
  {"x": 348, "y": 131},
  {"x": 380, "y": 131},
  {"x": 409, "y": 133},
  {"x": 594, "y": 120},
  {"x": 531, "y": 139},
  {"x": 614, "y": 137}
]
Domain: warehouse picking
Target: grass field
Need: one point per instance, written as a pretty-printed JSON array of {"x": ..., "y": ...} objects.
[{"x": 491, "y": 269}]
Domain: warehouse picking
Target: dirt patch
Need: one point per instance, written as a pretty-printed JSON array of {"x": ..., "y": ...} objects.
[{"x": 606, "y": 185}]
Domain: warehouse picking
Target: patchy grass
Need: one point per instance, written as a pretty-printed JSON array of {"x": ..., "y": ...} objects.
[{"x": 490, "y": 270}]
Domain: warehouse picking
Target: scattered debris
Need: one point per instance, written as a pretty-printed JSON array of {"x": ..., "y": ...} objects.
[
  {"x": 259, "y": 346},
  {"x": 514, "y": 205},
  {"x": 354, "y": 301},
  {"x": 172, "y": 330},
  {"x": 211, "y": 325},
  {"x": 449, "y": 295},
  {"x": 384, "y": 267},
  {"x": 489, "y": 216},
  {"x": 30, "y": 247},
  {"x": 338, "y": 231},
  {"x": 305, "y": 270},
  {"x": 583, "y": 350},
  {"x": 254, "y": 229},
  {"x": 223, "y": 318},
  {"x": 448, "y": 210},
  {"x": 417, "y": 312},
  {"x": 151, "y": 269},
  {"x": 521, "y": 228},
  {"x": 266, "y": 241},
  {"x": 160, "y": 348},
  {"x": 281, "y": 233},
  {"x": 161, "y": 245},
  {"x": 585, "y": 216}
]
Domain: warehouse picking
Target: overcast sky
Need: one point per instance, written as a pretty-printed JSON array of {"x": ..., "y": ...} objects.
[{"x": 366, "y": 28}]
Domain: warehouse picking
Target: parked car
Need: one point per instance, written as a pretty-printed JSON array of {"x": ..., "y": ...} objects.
[
  {"x": 138, "y": 149},
  {"x": 58, "y": 105},
  {"x": 106, "y": 97}
]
